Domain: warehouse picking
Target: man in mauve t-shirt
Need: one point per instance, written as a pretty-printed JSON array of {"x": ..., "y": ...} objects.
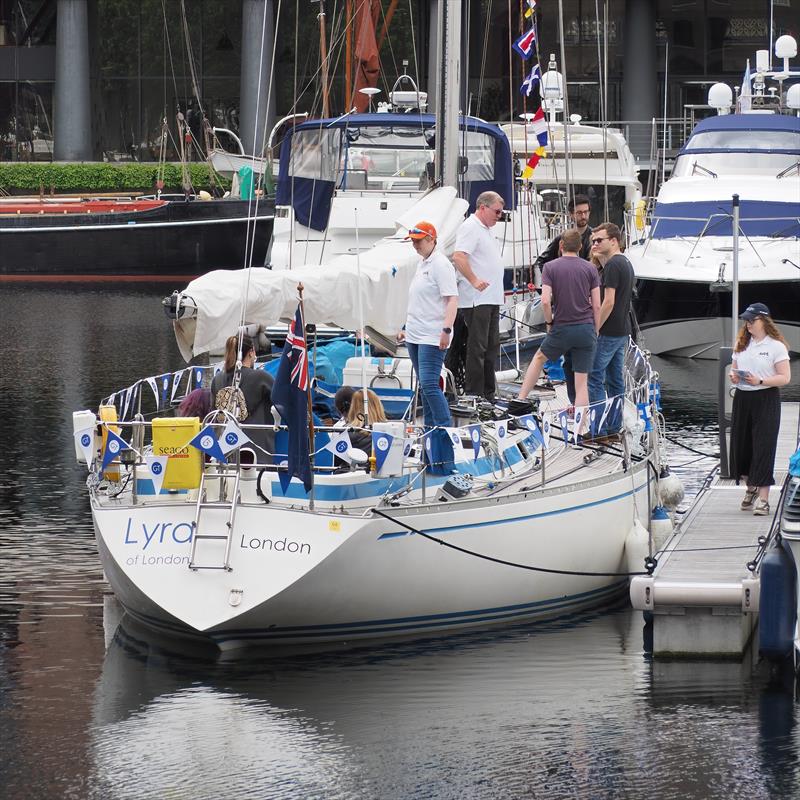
[
  {"x": 571, "y": 304},
  {"x": 606, "y": 377}
]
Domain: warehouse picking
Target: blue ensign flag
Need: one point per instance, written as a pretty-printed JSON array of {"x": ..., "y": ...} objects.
[{"x": 290, "y": 397}]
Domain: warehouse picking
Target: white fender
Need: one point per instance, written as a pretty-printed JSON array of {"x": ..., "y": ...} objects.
[{"x": 637, "y": 547}]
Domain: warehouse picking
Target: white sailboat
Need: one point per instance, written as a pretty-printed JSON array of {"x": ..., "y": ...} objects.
[{"x": 527, "y": 524}]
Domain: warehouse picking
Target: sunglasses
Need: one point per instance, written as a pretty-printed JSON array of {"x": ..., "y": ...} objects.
[
  {"x": 416, "y": 232},
  {"x": 599, "y": 239},
  {"x": 498, "y": 212}
]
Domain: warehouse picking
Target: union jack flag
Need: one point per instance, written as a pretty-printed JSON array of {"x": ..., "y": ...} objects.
[{"x": 299, "y": 352}]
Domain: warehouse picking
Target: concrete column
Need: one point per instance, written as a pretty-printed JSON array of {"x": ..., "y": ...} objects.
[
  {"x": 72, "y": 126},
  {"x": 255, "y": 85},
  {"x": 640, "y": 102},
  {"x": 433, "y": 55}
]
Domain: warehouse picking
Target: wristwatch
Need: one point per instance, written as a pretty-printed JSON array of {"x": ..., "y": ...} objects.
[{"x": 447, "y": 330}]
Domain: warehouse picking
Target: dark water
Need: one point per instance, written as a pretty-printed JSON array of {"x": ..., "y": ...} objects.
[{"x": 571, "y": 708}]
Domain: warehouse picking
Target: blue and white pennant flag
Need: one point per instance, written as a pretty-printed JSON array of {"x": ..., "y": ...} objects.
[
  {"x": 341, "y": 446},
  {"x": 528, "y": 421},
  {"x": 547, "y": 425},
  {"x": 580, "y": 415},
  {"x": 475, "y": 438},
  {"x": 232, "y": 437},
  {"x": 646, "y": 415},
  {"x": 608, "y": 406},
  {"x": 455, "y": 440},
  {"x": 563, "y": 421},
  {"x": 655, "y": 394},
  {"x": 381, "y": 446},
  {"x": 114, "y": 446},
  {"x": 206, "y": 442},
  {"x": 84, "y": 439},
  {"x": 156, "y": 468},
  {"x": 504, "y": 440}
]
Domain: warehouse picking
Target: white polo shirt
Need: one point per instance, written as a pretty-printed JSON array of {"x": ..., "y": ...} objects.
[
  {"x": 433, "y": 282},
  {"x": 483, "y": 250},
  {"x": 760, "y": 358}
]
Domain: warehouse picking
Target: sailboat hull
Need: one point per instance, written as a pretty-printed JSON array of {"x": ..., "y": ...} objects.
[{"x": 298, "y": 577}]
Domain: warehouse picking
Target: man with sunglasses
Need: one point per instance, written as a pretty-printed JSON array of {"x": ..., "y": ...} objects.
[
  {"x": 607, "y": 377},
  {"x": 480, "y": 292}
]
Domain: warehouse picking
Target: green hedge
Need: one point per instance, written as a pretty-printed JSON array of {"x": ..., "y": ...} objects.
[{"x": 17, "y": 177}]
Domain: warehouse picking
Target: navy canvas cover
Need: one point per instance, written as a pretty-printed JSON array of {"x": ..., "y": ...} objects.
[{"x": 310, "y": 194}]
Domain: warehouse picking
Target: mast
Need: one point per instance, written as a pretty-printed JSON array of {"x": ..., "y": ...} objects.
[
  {"x": 567, "y": 149},
  {"x": 348, "y": 56},
  {"x": 323, "y": 54},
  {"x": 447, "y": 102}
]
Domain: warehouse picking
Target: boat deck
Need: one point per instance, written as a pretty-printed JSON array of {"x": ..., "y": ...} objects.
[{"x": 702, "y": 594}]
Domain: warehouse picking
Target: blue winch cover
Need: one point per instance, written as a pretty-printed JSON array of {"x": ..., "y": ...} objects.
[
  {"x": 756, "y": 218},
  {"x": 311, "y": 197}
]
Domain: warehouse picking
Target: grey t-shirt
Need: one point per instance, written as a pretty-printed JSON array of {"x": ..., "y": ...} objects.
[{"x": 572, "y": 280}]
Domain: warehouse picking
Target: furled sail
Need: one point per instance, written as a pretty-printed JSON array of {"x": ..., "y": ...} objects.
[{"x": 330, "y": 292}]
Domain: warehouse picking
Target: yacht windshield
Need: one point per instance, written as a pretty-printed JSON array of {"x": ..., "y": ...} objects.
[
  {"x": 745, "y": 140},
  {"x": 732, "y": 164}
]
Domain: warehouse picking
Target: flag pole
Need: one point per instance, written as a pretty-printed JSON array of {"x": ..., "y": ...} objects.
[
  {"x": 361, "y": 324},
  {"x": 311, "y": 435}
]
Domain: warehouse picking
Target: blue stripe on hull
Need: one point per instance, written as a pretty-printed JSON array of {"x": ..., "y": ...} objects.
[
  {"x": 338, "y": 631},
  {"x": 515, "y": 519}
]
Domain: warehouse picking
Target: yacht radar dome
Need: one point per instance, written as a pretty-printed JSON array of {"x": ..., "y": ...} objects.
[
  {"x": 785, "y": 48},
  {"x": 720, "y": 96},
  {"x": 793, "y": 97},
  {"x": 552, "y": 87}
]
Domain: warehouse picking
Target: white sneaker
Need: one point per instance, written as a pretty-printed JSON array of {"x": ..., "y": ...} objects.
[{"x": 761, "y": 508}]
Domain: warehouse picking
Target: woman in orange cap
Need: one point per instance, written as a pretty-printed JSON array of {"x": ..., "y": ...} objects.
[{"x": 432, "y": 307}]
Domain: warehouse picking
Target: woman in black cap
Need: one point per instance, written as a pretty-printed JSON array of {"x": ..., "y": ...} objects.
[{"x": 760, "y": 365}]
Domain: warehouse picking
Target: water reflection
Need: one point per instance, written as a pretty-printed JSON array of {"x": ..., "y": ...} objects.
[{"x": 563, "y": 709}]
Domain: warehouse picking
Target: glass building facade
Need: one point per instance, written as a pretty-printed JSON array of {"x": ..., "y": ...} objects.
[{"x": 151, "y": 59}]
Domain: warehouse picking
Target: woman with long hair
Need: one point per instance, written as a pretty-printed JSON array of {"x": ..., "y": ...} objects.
[
  {"x": 760, "y": 366},
  {"x": 375, "y": 410},
  {"x": 255, "y": 386}
]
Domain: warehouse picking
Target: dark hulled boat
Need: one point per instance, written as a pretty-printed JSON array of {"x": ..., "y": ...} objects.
[{"x": 72, "y": 237}]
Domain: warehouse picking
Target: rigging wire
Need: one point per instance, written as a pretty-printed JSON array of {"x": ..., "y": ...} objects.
[{"x": 502, "y": 561}]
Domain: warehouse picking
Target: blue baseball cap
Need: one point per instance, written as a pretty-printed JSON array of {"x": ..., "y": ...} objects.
[{"x": 753, "y": 311}]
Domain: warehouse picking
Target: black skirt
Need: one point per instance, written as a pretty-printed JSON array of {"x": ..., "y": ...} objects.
[{"x": 754, "y": 435}]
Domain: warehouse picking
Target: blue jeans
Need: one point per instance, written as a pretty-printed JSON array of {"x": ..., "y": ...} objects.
[
  {"x": 606, "y": 377},
  {"x": 427, "y": 360}
]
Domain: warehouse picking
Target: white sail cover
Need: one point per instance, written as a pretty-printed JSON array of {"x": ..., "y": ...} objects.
[{"x": 330, "y": 292}]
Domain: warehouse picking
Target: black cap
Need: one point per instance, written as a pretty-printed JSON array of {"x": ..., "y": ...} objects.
[{"x": 754, "y": 310}]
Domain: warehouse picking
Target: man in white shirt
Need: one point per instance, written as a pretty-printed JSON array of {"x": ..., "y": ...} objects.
[{"x": 478, "y": 260}]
